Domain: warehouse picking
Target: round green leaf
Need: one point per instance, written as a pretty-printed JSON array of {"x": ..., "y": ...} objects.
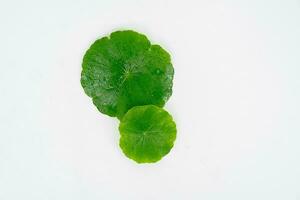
[
  {"x": 147, "y": 133},
  {"x": 125, "y": 70}
]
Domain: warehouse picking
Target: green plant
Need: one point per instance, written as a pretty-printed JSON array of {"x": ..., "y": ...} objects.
[{"x": 130, "y": 79}]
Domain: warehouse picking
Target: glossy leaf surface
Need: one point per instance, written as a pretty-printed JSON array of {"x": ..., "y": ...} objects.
[{"x": 124, "y": 70}]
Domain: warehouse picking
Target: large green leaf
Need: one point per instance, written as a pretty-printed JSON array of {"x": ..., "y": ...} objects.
[
  {"x": 125, "y": 70},
  {"x": 147, "y": 133}
]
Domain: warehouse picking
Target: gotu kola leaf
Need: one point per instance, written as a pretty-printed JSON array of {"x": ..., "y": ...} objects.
[
  {"x": 124, "y": 70},
  {"x": 147, "y": 133}
]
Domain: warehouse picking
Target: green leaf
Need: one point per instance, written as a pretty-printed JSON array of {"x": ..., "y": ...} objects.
[
  {"x": 147, "y": 133},
  {"x": 124, "y": 70}
]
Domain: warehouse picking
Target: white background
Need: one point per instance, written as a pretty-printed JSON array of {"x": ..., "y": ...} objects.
[{"x": 235, "y": 101}]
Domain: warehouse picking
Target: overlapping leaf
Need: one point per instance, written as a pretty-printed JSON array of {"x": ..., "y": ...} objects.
[{"x": 147, "y": 133}]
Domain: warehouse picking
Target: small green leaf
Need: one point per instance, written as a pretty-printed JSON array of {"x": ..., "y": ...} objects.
[
  {"x": 147, "y": 133},
  {"x": 124, "y": 70}
]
